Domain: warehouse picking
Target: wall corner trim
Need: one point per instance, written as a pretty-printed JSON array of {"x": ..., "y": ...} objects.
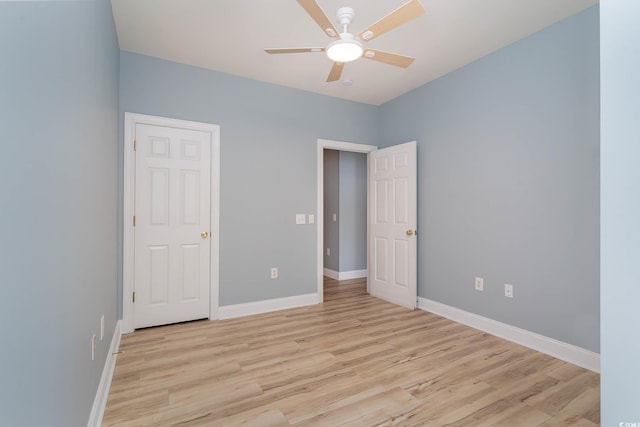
[
  {"x": 558, "y": 349},
  {"x": 102, "y": 394},
  {"x": 266, "y": 306}
]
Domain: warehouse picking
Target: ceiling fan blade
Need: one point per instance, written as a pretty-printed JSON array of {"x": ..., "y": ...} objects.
[
  {"x": 315, "y": 11},
  {"x": 335, "y": 72},
  {"x": 401, "y": 15},
  {"x": 388, "y": 58},
  {"x": 295, "y": 50}
]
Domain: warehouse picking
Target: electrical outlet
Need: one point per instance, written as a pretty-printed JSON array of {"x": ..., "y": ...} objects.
[
  {"x": 93, "y": 347},
  {"x": 274, "y": 272},
  {"x": 508, "y": 291},
  {"x": 328, "y": 251},
  {"x": 102, "y": 327},
  {"x": 479, "y": 284},
  {"x": 335, "y": 217},
  {"x": 300, "y": 218}
]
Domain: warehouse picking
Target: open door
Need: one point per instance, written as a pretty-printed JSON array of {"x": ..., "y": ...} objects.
[{"x": 393, "y": 224}]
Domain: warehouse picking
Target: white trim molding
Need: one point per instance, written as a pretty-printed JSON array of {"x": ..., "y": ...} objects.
[
  {"x": 353, "y": 274},
  {"x": 558, "y": 349},
  {"x": 331, "y": 274},
  {"x": 102, "y": 394},
  {"x": 130, "y": 122},
  {"x": 345, "y": 275},
  {"x": 342, "y": 146},
  {"x": 266, "y": 306}
]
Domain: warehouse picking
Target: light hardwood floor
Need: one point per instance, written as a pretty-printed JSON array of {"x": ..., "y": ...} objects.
[{"x": 354, "y": 360}]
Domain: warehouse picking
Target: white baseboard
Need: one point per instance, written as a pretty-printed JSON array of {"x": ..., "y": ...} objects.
[
  {"x": 345, "y": 275},
  {"x": 332, "y": 274},
  {"x": 266, "y": 306},
  {"x": 558, "y": 349},
  {"x": 102, "y": 394},
  {"x": 355, "y": 274}
]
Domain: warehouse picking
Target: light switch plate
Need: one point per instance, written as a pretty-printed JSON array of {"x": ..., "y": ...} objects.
[
  {"x": 335, "y": 217},
  {"x": 312, "y": 219},
  {"x": 300, "y": 218}
]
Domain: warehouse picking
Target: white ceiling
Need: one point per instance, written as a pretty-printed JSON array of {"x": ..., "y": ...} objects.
[{"x": 230, "y": 35}]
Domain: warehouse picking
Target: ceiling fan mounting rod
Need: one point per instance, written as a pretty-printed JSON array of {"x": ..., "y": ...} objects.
[{"x": 345, "y": 16}]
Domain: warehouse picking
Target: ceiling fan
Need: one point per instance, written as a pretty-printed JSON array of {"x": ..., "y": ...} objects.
[{"x": 349, "y": 47}]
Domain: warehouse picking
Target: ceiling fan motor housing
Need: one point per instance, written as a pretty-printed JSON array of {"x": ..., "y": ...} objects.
[{"x": 345, "y": 16}]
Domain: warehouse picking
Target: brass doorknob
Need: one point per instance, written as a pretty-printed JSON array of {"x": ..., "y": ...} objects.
[
  {"x": 204, "y": 234},
  {"x": 409, "y": 232}
]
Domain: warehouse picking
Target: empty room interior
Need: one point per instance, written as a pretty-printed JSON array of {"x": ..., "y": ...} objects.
[{"x": 320, "y": 212}]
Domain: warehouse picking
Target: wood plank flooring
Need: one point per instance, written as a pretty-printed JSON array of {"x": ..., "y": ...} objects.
[{"x": 354, "y": 361}]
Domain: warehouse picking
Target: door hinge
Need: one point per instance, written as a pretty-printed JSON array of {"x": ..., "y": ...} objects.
[
  {"x": 135, "y": 145},
  {"x": 134, "y": 220},
  {"x": 134, "y": 296}
]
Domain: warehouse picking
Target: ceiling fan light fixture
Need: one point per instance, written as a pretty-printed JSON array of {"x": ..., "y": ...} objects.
[{"x": 344, "y": 50}]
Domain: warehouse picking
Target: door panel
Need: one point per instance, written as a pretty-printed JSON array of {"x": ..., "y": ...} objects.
[
  {"x": 172, "y": 208},
  {"x": 381, "y": 256},
  {"x": 401, "y": 188},
  {"x": 190, "y": 268},
  {"x": 401, "y": 267},
  {"x": 393, "y": 203},
  {"x": 158, "y": 274},
  {"x": 382, "y": 207},
  {"x": 159, "y": 183}
]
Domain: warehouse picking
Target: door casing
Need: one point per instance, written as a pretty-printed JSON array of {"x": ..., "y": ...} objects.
[
  {"x": 342, "y": 146},
  {"x": 130, "y": 122}
]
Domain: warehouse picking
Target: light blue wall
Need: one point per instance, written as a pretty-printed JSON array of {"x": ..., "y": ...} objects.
[
  {"x": 353, "y": 211},
  {"x": 331, "y": 204},
  {"x": 508, "y": 181},
  {"x": 268, "y": 164},
  {"x": 58, "y": 190},
  {"x": 620, "y": 226}
]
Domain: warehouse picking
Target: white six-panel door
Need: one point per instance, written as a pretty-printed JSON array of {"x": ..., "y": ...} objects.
[
  {"x": 393, "y": 224},
  {"x": 172, "y": 225}
]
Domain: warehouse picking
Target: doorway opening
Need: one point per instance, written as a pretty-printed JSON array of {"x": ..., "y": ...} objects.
[
  {"x": 345, "y": 215},
  {"x": 321, "y": 246}
]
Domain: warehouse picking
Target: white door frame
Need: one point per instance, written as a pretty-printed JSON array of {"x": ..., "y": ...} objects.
[
  {"x": 341, "y": 146},
  {"x": 130, "y": 122}
]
